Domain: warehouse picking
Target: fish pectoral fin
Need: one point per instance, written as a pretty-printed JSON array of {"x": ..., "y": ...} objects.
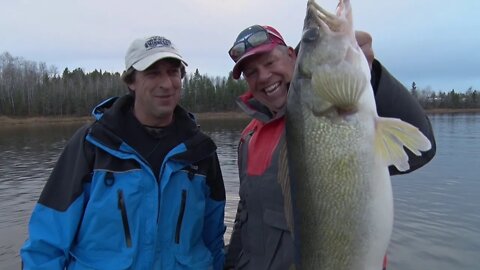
[
  {"x": 391, "y": 135},
  {"x": 341, "y": 85}
]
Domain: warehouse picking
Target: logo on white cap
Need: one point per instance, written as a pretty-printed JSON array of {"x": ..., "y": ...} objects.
[
  {"x": 156, "y": 41},
  {"x": 144, "y": 52}
]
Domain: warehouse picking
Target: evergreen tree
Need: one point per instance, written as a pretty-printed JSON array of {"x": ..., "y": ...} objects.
[{"x": 31, "y": 89}]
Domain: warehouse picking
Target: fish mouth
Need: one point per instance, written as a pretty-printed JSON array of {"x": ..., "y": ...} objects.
[{"x": 318, "y": 16}]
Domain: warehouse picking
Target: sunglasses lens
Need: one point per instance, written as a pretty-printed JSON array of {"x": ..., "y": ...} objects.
[
  {"x": 257, "y": 38},
  {"x": 237, "y": 51},
  {"x": 245, "y": 34},
  {"x": 250, "y": 40}
]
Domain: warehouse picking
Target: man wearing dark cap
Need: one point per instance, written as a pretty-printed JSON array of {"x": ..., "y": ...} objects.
[
  {"x": 140, "y": 188},
  {"x": 260, "y": 237}
]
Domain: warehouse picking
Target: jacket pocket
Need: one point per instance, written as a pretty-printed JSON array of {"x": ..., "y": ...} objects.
[
  {"x": 278, "y": 242},
  {"x": 184, "y": 262},
  {"x": 180, "y": 216},
  {"x": 123, "y": 212},
  {"x": 275, "y": 219},
  {"x": 242, "y": 260},
  {"x": 99, "y": 259}
]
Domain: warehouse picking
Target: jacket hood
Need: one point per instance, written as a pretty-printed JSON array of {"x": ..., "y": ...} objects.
[{"x": 115, "y": 122}]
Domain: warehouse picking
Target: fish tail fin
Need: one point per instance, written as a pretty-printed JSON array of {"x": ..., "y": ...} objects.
[{"x": 392, "y": 134}]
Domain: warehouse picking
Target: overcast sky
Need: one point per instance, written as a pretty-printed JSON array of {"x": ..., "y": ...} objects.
[{"x": 435, "y": 43}]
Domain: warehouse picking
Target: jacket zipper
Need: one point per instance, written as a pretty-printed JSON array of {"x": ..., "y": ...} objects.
[
  {"x": 123, "y": 211},
  {"x": 180, "y": 216}
]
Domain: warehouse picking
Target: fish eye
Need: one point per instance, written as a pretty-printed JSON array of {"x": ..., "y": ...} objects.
[{"x": 310, "y": 35}]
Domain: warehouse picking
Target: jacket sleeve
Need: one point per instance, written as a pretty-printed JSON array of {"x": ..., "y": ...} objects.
[
  {"x": 58, "y": 212},
  {"x": 394, "y": 100},
  {"x": 214, "y": 227}
]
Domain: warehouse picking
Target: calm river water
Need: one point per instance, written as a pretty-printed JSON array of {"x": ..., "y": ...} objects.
[{"x": 437, "y": 208}]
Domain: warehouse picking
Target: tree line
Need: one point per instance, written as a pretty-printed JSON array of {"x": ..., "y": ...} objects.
[
  {"x": 28, "y": 88},
  {"x": 430, "y": 99}
]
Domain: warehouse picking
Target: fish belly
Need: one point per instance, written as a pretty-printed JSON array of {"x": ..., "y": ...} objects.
[{"x": 341, "y": 196}]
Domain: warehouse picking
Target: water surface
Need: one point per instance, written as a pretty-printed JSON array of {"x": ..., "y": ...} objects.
[{"x": 437, "y": 208}]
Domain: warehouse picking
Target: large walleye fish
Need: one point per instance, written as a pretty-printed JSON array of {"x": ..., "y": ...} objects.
[{"x": 338, "y": 150}]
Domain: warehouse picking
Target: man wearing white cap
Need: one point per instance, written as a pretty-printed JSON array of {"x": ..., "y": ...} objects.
[{"x": 141, "y": 188}]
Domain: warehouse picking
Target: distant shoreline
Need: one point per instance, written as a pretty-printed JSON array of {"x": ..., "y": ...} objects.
[
  {"x": 40, "y": 120},
  {"x": 452, "y": 111}
]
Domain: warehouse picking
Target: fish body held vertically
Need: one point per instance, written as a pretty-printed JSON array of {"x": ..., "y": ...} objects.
[{"x": 334, "y": 171}]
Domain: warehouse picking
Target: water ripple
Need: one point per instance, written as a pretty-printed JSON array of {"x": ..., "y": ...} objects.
[{"x": 437, "y": 213}]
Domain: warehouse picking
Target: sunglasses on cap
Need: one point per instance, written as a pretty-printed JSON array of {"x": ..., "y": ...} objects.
[{"x": 250, "y": 38}]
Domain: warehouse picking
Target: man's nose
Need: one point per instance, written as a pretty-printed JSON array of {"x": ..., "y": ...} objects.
[
  {"x": 263, "y": 74},
  {"x": 164, "y": 81}
]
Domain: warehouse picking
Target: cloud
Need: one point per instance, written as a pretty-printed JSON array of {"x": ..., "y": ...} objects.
[{"x": 431, "y": 41}]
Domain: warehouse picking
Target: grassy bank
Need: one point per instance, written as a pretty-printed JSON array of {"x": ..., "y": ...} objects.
[
  {"x": 41, "y": 120},
  {"x": 4, "y": 120}
]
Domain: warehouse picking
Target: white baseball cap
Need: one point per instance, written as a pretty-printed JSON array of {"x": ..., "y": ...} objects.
[{"x": 143, "y": 52}]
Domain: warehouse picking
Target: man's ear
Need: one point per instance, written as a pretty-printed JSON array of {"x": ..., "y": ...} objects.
[
  {"x": 297, "y": 48},
  {"x": 292, "y": 53}
]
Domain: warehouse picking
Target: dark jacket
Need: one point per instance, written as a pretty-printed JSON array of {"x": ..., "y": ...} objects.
[
  {"x": 260, "y": 237},
  {"x": 105, "y": 207}
]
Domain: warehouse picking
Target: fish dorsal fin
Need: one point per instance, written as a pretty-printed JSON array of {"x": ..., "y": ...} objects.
[
  {"x": 283, "y": 179},
  {"x": 391, "y": 135},
  {"x": 341, "y": 85}
]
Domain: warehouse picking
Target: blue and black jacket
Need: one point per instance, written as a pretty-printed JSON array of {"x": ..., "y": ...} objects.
[{"x": 104, "y": 207}]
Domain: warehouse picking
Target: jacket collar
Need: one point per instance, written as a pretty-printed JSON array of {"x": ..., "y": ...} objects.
[
  {"x": 115, "y": 122},
  {"x": 256, "y": 109}
]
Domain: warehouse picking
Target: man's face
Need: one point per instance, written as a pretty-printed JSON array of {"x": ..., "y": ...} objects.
[
  {"x": 268, "y": 75},
  {"x": 157, "y": 92}
]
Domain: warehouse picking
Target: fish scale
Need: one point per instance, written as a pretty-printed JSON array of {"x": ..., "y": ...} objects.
[
  {"x": 334, "y": 162},
  {"x": 330, "y": 162}
]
